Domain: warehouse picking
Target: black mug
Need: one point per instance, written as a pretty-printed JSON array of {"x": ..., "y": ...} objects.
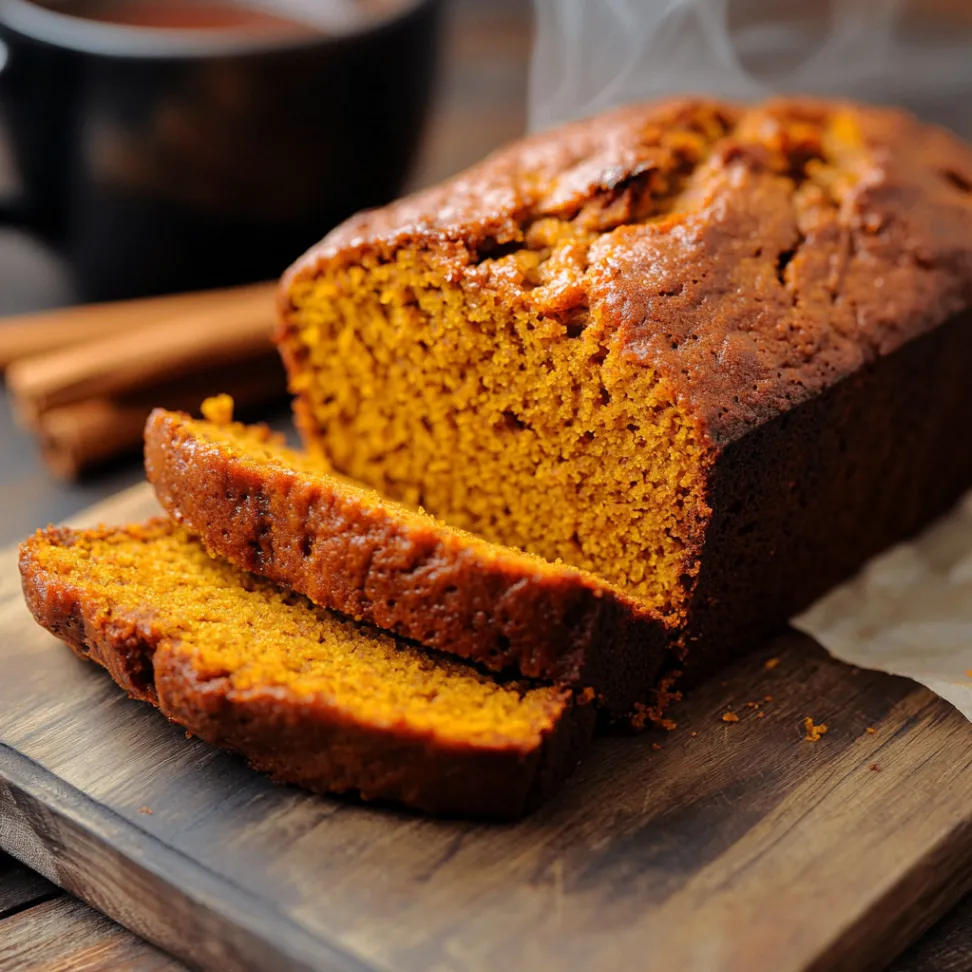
[{"x": 169, "y": 159}]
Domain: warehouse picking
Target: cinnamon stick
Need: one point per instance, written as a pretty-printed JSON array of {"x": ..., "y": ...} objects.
[
  {"x": 77, "y": 437},
  {"x": 29, "y": 335},
  {"x": 140, "y": 357}
]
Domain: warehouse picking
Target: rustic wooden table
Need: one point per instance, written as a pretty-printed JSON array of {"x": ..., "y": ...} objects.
[{"x": 481, "y": 105}]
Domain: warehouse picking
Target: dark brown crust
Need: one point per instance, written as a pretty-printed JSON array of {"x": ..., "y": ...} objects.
[
  {"x": 760, "y": 286},
  {"x": 295, "y": 740},
  {"x": 430, "y": 584},
  {"x": 801, "y": 502}
]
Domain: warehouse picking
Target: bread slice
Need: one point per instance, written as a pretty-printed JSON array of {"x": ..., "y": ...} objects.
[
  {"x": 304, "y": 694},
  {"x": 281, "y": 514}
]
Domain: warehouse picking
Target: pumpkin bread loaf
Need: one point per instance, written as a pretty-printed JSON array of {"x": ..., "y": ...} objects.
[
  {"x": 717, "y": 355},
  {"x": 304, "y": 694},
  {"x": 281, "y": 514}
]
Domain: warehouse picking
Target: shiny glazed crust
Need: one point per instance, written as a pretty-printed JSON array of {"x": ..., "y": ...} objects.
[
  {"x": 345, "y": 549},
  {"x": 299, "y": 740}
]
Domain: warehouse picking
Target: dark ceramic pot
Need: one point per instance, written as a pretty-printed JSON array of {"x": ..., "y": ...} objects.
[{"x": 161, "y": 160}]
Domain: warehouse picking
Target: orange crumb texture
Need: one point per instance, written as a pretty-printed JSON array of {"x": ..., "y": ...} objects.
[
  {"x": 870, "y": 730},
  {"x": 771, "y": 663},
  {"x": 730, "y": 717},
  {"x": 813, "y": 732}
]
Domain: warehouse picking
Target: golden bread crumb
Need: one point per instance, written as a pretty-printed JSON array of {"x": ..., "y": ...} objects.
[
  {"x": 218, "y": 409},
  {"x": 813, "y": 732}
]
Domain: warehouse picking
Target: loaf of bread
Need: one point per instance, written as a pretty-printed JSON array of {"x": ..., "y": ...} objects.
[
  {"x": 715, "y": 355},
  {"x": 304, "y": 694},
  {"x": 282, "y": 514}
]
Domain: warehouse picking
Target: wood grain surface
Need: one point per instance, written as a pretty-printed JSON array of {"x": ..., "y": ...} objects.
[
  {"x": 63, "y": 935},
  {"x": 945, "y": 948},
  {"x": 724, "y": 845}
]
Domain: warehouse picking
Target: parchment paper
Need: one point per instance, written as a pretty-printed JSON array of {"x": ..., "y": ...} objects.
[{"x": 909, "y": 611}]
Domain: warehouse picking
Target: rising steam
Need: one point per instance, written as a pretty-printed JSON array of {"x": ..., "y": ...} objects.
[{"x": 593, "y": 54}]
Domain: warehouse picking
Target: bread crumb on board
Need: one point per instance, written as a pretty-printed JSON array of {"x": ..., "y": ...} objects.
[
  {"x": 870, "y": 730},
  {"x": 874, "y": 768},
  {"x": 770, "y": 664},
  {"x": 665, "y": 695},
  {"x": 813, "y": 732},
  {"x": 147, "y": 810},
  {"x": 730, "y": 717}
]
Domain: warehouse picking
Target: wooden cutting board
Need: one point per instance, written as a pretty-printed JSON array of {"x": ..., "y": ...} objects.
[{"x": 719, "y": 847}]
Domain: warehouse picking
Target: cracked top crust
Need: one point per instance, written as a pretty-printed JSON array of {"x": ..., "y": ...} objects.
[{"x": 751, "y": 256}]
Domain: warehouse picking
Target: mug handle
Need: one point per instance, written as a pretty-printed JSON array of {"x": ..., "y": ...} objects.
[{"x": 13, "y": 210}]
